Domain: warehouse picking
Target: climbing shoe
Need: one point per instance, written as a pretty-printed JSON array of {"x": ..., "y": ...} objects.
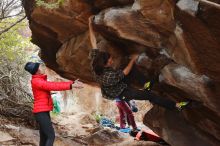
[
  {"x": 134, "y": 132},
  {"x": 147, "y": 86},
  {"x": 181, "y": 105}
]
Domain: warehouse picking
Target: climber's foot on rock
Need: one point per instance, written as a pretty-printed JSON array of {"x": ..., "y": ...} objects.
[
  {"x": 182, "y": 105},
  {"x": 148, "y": 86}
]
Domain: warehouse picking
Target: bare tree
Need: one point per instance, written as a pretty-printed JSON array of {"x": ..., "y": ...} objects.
[
  {"x": 15, "y": 96},
  {"x": 8, "y": 9}
]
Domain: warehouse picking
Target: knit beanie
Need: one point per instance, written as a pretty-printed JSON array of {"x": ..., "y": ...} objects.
[{"x": 32, "y": 67}]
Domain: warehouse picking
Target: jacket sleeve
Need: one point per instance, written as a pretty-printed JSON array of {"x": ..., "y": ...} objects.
[{"x": 52, "y": 86}]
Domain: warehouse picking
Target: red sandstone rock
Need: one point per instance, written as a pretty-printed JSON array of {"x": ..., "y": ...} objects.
[{"x": 154, "y": 28}]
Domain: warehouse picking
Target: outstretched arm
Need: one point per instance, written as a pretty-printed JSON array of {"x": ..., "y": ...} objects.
[
  {"x": 52, "y": 86},
  {"x": 128, "y": 68},
  {"x": 91, "y": 33},
  {"x": 57, "y": 86}
]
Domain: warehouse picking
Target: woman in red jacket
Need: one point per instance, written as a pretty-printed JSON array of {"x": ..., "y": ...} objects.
[{"x": 43, "y": 102}]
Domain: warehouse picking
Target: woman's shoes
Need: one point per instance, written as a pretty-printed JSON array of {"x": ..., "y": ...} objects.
[{"x": 134, "y": 132}]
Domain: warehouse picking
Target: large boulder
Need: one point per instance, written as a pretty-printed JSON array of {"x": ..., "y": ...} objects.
[{"x": 178, "y": 42}]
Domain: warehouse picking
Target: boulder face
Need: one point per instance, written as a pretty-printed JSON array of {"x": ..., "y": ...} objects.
[{"x": 179, "y": 46}]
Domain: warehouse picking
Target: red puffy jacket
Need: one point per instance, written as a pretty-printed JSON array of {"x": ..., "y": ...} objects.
[{"x": 41, "y": 90}]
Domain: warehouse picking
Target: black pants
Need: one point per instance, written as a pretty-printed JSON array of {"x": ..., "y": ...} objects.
[
  {"x": 131, "y": 93},
  {"x": 47, "y": 134}
]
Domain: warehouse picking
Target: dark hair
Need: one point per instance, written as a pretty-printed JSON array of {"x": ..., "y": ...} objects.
[{"x": 100, "y": 61}]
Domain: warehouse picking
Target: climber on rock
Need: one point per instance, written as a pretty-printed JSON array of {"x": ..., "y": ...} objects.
[
  {"x": 43, "y": 103},
  {"x": 112, "y": 81}
]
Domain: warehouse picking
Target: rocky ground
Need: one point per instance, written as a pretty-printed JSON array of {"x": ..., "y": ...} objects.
[{"x": 71, "y": 130}]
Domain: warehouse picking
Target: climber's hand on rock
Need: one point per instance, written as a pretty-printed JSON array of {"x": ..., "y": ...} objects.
[
  {"x": 77, "y": 84},
  {"x": 134, "y": 56}
]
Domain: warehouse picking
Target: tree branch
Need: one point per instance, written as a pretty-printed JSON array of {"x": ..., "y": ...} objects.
[
  {"x": 4, "y": 17},
  {"x": 7, "y": 29},
  {"x": 8, "y": 6}
]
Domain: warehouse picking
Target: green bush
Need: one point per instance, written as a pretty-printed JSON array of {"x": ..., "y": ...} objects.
[
  {"x": 50, "y": 5},
  {"x": 13, "y": 55}
]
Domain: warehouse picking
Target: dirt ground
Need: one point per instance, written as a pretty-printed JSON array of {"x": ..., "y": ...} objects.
[{"x": 71, "y": 130}]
